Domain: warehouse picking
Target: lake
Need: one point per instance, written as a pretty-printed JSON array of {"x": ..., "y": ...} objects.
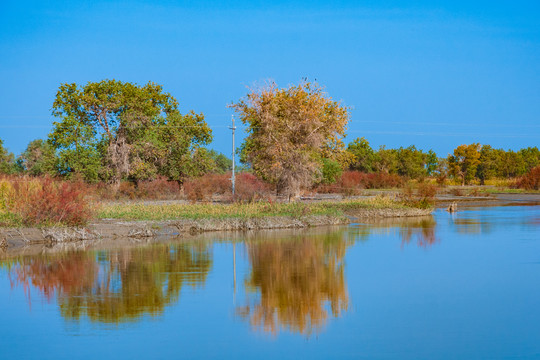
[{"x": 450, "y": 286}]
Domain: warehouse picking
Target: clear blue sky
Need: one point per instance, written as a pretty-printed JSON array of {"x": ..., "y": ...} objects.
[{"x": 436, "y": 74}]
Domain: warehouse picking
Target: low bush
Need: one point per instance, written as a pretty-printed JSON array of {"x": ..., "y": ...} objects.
[
  {"x": 204, "y": 187},
  {"x": 530, "y": 181},
  {"x": 423, "y": 196},
  {"x": 248, "y": 187},
  {"x": 157, "y": 189},
  {"x": 44, "y": 201},
  {"x": 456, "y": 192},
  {"x": 352, "y": 182}
]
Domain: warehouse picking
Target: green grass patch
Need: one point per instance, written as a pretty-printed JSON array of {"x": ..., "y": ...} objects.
[
  {"x": 10, "y": 220},
  {"x": 250, "y": 210}
]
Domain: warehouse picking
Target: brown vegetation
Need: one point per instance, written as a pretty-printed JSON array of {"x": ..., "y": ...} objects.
[
  {"x": 352, "y": 182},
  {"x": 530, "y": 181}
]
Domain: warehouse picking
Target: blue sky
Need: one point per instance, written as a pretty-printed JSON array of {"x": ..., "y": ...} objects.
[{"x": 436, "y": 74}]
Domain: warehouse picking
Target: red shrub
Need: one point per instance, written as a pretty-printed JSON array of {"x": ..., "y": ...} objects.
[
  {"x": 351, "y": 182},
  {"x": 249, "y": 188},
  {"x": 160, "y": 188},
  {"x": 202, "y": 188},
  {"x": 530, "y": 181},
  {"x": 157, "y": 189},
  {"x": 53, "y": 203}
]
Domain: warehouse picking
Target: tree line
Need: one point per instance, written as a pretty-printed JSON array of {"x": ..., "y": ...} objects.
[{"x": 115, "y": 131}]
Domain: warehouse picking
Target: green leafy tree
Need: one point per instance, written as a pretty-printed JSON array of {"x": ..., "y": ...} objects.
[
  {"x": 173, "y": 147},
  {"x": 511, "y": 164},
  {"x": 39, "y": 158},
  {"x": 531, "y": 157},
  {"x": 431, "y": 162},
  {"x": 363, "y": 155},
  {"x": 7, "y": 160},
  {"x": 411, "y": 162},
  {"x": 79, "y": 151},
  {"x": 488, "y": 163},
  {"x": 290, "y": 131},
  {"x": 464, "y": 161},
  {"x": 112, "y": 111},
  {"x": 116, "y": 130},
  {"x": 386, "y": 160},
  {"x": 222, "y": 163},
  {"x": 331, "y": 171}
]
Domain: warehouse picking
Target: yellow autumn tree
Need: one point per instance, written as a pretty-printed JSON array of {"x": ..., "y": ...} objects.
[
  {"x": 463, "y": 163},
  {"x": 290, "y": 132}
]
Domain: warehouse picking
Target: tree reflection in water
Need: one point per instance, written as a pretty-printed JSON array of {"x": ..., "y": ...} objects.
[
  {"x": 295, "y": 284},
  {"x": 115, "y": 286},
  {"x": 423, "y": 230},
  {"x": 420, "y": 228}
]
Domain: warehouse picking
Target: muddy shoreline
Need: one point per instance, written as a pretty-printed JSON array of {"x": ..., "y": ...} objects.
[
  {"x": 121, "y": 231},
  {"x": 115, "y": 229}
]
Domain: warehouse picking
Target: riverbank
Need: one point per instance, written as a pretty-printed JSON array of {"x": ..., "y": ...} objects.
[{"x": 134, "y": 220}]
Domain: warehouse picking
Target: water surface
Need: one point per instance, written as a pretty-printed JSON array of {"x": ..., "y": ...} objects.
[{"x": 463, "y": 285}]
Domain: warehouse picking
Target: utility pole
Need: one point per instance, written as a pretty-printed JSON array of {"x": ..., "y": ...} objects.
[{"x": 233, "y": 128}]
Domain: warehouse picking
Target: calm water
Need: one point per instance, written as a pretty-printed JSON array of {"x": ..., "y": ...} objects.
[{"x": 448, "y": 286}]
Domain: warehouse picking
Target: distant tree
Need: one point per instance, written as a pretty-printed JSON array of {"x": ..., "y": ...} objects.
[
  {"x": 488, "y": 163},
  {"x": 511, "y": 164},
  {"x": 411, "y": 162},
  {"x": 290, "y": 131},
  {"x": 7, "y": 160},
  {"x": 39, "y": 158},
  {"x": 441, "y": 172},
  {"x": 531, "y": 157},
  {"x": 386, "y": 160},
  {"x": 431, "y": 162},
  {"x": 363, "y": 155},
  {"x": 222, "y": 163},
  {"x": 464, "y": 161},
  {"x": 331, "y": 171}
]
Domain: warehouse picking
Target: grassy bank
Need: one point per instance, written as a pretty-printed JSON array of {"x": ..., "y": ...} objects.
[{"x": 241, "y": 211}]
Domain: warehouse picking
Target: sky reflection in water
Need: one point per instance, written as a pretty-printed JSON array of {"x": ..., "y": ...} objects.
[{"x": 445, "y": 286}]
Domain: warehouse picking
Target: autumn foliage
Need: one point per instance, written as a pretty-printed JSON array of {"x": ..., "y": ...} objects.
[
  {"x": 290, "y": 132},
  {"x": 352, "y": 182},
  {"x": 530, "y": 181},
  {"x": 44, "y": 201},
  {"x": 248, "y": 188}
]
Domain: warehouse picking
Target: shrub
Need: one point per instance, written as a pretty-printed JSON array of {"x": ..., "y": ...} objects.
[
  {"x": 530, "y": 181},
  {"x": 202, "y": 188},
  {"x": 423, "y": 196},
  {"x": 249, "y": 188},
  {"x": 352, "y": 182},
  {"x": 160, "y": 188},
  {"x": 43, "y": 201},
  {"x": 331, "y": 171},
  {"x": 157, "y": 189}
]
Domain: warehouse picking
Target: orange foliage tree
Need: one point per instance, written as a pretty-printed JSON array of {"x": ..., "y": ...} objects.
[{"x": 290, "y": 132}]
